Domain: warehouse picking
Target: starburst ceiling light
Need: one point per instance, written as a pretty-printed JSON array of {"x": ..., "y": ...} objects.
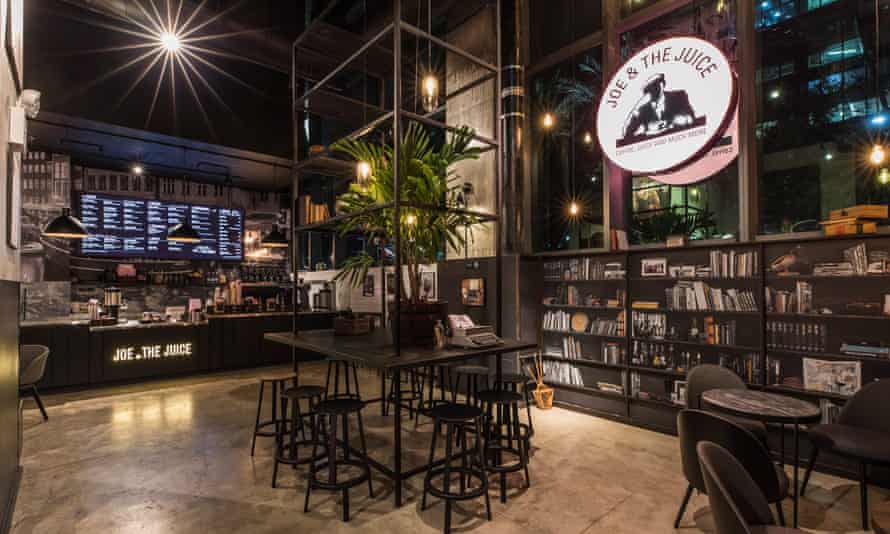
[
  {"x": 877, "y": 155},
  {"x": 168, "y": 42}
]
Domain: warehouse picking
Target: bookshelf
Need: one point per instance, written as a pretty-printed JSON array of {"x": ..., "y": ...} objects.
[{"x": 674, "y": 308}]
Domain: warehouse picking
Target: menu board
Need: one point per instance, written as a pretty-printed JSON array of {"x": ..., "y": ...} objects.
[{"x": 125, "y": 227}]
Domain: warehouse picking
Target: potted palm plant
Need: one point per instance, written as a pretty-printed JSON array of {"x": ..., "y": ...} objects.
[{"x": 430, "y": 186}]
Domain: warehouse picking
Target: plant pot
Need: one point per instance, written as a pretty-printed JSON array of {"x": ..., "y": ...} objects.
[
  {"x": 417, "y": 321},
  {"x": 543, "y": 397}
]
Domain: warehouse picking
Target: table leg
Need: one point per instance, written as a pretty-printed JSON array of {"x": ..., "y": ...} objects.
[
  {"x": 397, "y": 439},
  {"x": 383, "y": 392},
  {"x": 796, "y": 465}
]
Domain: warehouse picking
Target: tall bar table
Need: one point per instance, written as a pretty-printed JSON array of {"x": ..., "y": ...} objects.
[{"x": 376, "y": 351}]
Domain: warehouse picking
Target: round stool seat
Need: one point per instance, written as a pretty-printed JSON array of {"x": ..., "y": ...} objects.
[
  {"x": 478, "y": 370},
  {"x": 339, "y": 406},
  {"x": 278, "y": 377},
  {"x": 454, "y": 412},
  {"x": 303, "y": 392},
  {"x": 496, "y": 396}
]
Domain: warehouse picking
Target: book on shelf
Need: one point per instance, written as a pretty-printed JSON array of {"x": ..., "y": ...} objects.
[
  {"x": 699, "y": 296},
  {"x": 734, "y": 264},
  {"x": 645, "y": 305},
  {"x": 862, "y": 349},
  {"x": 583, "y": 269},
  {"x": 862, "y": 211}
]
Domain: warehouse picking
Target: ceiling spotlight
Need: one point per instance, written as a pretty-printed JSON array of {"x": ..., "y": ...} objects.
[
  {"x": 884, "y": 176},
  {"x": 170, "y": 42},
  {"x": 430, "y": 93},
  {"x": 138, "y": 169},
  {"x": 548, "y": 120},
  {"x": 775, "y": 94},
  {"x": 587, "y": 138},
  {"x": 877, "y": 155}
]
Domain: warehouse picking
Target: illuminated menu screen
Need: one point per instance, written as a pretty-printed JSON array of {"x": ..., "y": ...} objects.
[{"x": 123, "y": 227}]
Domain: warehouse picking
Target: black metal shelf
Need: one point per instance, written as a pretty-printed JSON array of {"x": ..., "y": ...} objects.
[
  {"x": 828, "y": 316},
  {"x": 657, "y": 371},
  {"x": 585, "y": 389},
  {"x": 561, "y": 280},
  {"x": 695, "y": 279},
  {"x": 827, "y": 355},
  {"x": 586, "y": 362},
  {"x": 582, "y": 307},
  {"x": 697, "y": 344},
  {"x": 702, "y": 312},
  {"x": 586, "y": 334}
]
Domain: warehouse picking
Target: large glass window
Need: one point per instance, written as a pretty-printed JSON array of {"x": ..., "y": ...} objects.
[
  {"x": 823, "y": 84},
  {"x": 566, "y": 161},
  {"x": 557, "y": 23},
  {"x": 708, "y": 208}
]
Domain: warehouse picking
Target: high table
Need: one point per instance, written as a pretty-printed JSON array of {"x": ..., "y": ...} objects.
[
  {"x": 769, "y": 408},
  {"x": 376, "y": 351}
]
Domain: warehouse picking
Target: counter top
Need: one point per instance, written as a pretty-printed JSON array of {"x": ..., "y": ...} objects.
[
  {"x": 136, "y": 325},
  {"x": 76, "y": 320}
]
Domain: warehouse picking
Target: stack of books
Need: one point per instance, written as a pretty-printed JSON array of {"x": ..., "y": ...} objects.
[
  {"x": 700, "y": 296},
  {"x": 733, "y": 264},
  {"x": 861, "y": 219},
  {"x": 311, "y": 212}
]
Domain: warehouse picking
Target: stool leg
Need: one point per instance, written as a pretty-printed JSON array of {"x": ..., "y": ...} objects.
[
  {"x": 462, "y": 438},
  {"x": 383, "y": 393},
  {"x": 426, "y": 480},
  {"x": 523, "y": 446},
  {"x": 358, "y": 393},
  {"x": 275, "y": 407},
  {"x": 361, "y": 433},
  {"x": 279, "y": 447},
  {"x": 259, "y": 411},
  {"x": 480, "y": 453},
  {"x": 449, "y": 438},
  {"x": 336, "y": 379},
  {"x": 327, "y": 379},
  {"x": 316, "y": 426},
  {"x": 345, "y": 425},
  {"x": 295, "y": 420},
  {"x": 528, "y": 410}
]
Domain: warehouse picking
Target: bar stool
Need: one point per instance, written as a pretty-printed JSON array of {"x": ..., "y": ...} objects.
[
  {"x": 334, "y": 369},
  {"x": 502, "y": 429},
  {"x": 429, "y": 377},
  {"x": 474, "y": 375},
  {"x": 459, "y": 420},
  {"x": 288, "y": 452},
  {"x": 413, "y": 394},
  {"x": 278, "y": 381},
  {"x": 332, "y": 409},
  {"x": 515, "y": 382}
]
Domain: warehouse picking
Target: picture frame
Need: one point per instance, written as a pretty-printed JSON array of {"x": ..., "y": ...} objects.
[
  {"x": 653, "y": 267},
  {"x": 840, "y": 377},
  {"x": 368, "y": 286},
  {"x": 428, "y": 289},
  {"x": 472, "y": 292},
  {"x": 13, "y": 35}
]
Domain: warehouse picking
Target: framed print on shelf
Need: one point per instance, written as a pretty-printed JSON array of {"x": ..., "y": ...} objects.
[
  {"x": 368, "y": 286},
  {"x": 13, "y": 35},
  {"x": 472, "y": 292},
  {"x": 428, "y": 285},
  {"x": 653, "y": 267}
]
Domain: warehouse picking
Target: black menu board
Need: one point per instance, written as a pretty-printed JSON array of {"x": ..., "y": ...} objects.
[{"x": 125, "y": 227}]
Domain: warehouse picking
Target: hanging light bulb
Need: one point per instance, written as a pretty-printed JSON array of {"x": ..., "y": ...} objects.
[
  {"x": 574, "y": 209},
  {"x": 430, "y": 93},
  {"x": 587, "y": 138},
  {"x": 548, "y": 120},
  {"x": 877, "y": 155},
  {"x": 410, "y": 219},
  {"x": 884, "y": 176},
  {"x": 363, "y": 172}
]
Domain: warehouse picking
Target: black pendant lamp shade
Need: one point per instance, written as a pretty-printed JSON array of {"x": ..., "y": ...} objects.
[
  {"x": 65, "y": 226},
  {"x": 275, "y": 239},
  {"x": 183, "y": 233}
]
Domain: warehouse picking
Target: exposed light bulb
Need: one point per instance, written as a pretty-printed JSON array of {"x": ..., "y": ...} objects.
[
  {"x": 410, "y": 219},
  {"x": 884, "y": 176},
  {"x": 694, "y": 192},
  {"x": 829, "y": 156},
  {"x": 775, "y": 94},
  {"x": 430, "y": 93},
  {"x": 170, "y": 42},
  {"x": 363, "y": 172},
  {"x": 574, "y": 209},
  {"x": 138, "y": 170},
  {"x": 877, "y": 155},
  {"x": 548, "y": 120},
  {"x": 587, "y": 138}
]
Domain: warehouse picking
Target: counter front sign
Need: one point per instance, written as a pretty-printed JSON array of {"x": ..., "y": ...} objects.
[
  {"x": 666, "y": 106},
  {"x": 152, "y": 352}
]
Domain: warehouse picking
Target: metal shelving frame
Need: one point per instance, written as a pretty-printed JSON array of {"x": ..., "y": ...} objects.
[{"x": 399, "y": 28}]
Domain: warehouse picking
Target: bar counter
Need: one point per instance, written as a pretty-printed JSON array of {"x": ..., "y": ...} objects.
[{"x": 82, "y": 355}]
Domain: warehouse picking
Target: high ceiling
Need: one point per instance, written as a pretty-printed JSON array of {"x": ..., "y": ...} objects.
[{"x": 228, "y": 84}]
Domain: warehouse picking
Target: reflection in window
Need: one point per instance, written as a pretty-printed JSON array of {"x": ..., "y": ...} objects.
[
  {"x": 817, "y": 124},
  {"x": 566, "y": 161}
]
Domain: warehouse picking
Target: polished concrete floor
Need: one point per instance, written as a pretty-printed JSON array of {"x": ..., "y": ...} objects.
[{"x": 173, "y": 457}]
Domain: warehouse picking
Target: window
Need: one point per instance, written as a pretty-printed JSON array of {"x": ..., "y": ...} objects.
[
  {"x": 566, "y": 161},
  {"x": 817, "y": 124},
  {"x": 707, "y": 209}
]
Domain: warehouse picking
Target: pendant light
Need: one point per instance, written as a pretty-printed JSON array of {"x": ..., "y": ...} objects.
[
  {"x": 274, "y": 239},
  {"x": 429, "y": 90},
  {"x": 183, "y": 233},
  {"x": 66, "y": 226}
]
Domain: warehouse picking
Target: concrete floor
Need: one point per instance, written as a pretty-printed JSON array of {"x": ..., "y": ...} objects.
[{"x": 173, "y": 457}]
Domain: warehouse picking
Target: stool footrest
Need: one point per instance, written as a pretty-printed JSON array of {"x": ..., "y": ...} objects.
[
  {"x": 470, "y": 472},
  {"x": 322, "y": 467}
]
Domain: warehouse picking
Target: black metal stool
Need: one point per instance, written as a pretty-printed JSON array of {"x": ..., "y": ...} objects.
[
  {"x": 502, "y": 430},
  {"x": 520, "y": 383},
  {"x": 459, "y": 420},
  {"x": 331, "y": 409},
  {"x": 474, "y": 374},
  {"x": 413, "y": 394},
  {"x": 347, "y": 367},
  {"x": 430, "y": 375},
  {"x": 287, "y": 452},
  {"x": 278, "y": 382}
]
